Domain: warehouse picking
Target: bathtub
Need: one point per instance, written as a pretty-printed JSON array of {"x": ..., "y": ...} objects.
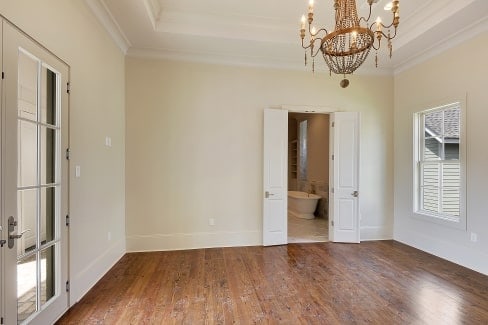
[{"x": 301, "y": 204}]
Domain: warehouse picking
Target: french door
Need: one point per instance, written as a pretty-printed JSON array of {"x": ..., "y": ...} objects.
[{"x": 34, "y": 177}]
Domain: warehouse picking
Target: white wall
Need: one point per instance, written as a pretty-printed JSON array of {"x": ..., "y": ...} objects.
[
  {"x": 97, "y": 203},
  {"x": 456, "y": 72},
  {"x": 194, "y": 149}
]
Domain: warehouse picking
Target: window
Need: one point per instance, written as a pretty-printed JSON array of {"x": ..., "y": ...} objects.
[{"x": 439, "y": 160}]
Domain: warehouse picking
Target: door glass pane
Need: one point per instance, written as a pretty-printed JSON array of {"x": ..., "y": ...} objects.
[
  {"x": 48, "y": 155},
  {"x": 26, "y": 222},
  {"x": 27, "y": 87},
  {"x": 26, "y": 287},
  {"x": 48, "y": 209},
  {"x": 48, "y": 96},
  {"x": 27, "y": 152},
  {"x": 47, "y": 274}
]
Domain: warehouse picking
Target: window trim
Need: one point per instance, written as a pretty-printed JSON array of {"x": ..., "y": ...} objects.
[{"x": 418, "y": 138}]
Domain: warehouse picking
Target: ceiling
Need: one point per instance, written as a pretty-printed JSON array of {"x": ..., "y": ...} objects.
[{"x": 266, "y": 33}]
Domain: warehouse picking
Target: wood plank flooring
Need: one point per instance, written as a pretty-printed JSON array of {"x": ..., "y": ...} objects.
[{"x": 381, "y": 282}]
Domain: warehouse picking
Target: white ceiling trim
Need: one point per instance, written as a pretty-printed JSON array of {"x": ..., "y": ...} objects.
[
  {"x": 248, "y": 61},
  {"x": 236, "y": 27},
  {"x": 425, "y": 18},
  {"x": 100, "y": 10},
  {"x": 437, "y": 48},
  {"x": 153, "y": 9}
]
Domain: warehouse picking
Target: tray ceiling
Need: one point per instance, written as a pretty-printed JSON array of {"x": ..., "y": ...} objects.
[{"x": 266, "y": 33}]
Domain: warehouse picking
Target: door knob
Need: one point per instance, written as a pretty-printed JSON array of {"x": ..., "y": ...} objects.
[{"x": 355, "y": 193}]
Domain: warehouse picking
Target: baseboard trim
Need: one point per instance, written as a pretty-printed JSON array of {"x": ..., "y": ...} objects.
[
  {"x": 461, "y": 255},
  {"x": 84, "y": 280},
  {"x": 181, "y": 241},
  {"x": 376, "y": 233}
]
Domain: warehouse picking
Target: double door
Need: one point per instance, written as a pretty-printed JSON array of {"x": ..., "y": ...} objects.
[{"x": 34, "y": 181}]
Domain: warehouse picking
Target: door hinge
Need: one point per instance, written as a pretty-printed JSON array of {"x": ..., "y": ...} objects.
[
  {"x": 67, "y": 220},
  {"x": 68, "y": 87},
  {"x": 332, "y": 223},
  {"x": 1, "y": 320},
  {"x": 333, "y": 124},
  {"x": 68, "y": 154},
  {"x": 67, "y": 286},
  {"x": 332, "y": 190},
  {"x": 3, "y": 77},
  {"x": 332, "y": 157}
]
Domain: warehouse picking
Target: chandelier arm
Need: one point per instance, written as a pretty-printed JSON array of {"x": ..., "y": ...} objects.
[
  {"x": 369, "y": 15},
  {"x": 314, "y": 50},
  {"x": 374, "y": 42},
  {"x": 385, "y": 35},
  {"x": 305, "y": 47}
]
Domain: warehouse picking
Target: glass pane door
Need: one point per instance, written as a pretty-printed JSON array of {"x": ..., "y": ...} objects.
[
  {"x": 38, "y": 185},
  {"x": 35, "y": 182}
]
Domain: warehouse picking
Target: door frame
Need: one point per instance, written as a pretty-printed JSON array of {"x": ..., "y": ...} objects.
[{"x": 312, "y": 110}]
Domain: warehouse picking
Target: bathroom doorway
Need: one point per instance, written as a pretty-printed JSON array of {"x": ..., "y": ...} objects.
[{"x": 308, "y": 177}]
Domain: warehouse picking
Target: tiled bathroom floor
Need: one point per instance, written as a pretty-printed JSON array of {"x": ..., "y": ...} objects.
[{"x": 307, "y": 231}]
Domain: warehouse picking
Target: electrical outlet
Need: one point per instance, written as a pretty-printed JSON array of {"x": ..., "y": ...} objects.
[{"x": 211, "y": 222}]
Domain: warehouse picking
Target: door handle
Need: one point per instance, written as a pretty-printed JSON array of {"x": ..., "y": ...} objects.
[
  {"x": 267, "y": 194},
  {"x": 355, "y": 193},
  {"x": 18, "y": 236}
]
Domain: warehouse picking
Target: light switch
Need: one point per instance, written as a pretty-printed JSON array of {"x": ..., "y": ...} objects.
[
  {"x": 108, "y": 141},
  {"x": 77, "y": 171}
]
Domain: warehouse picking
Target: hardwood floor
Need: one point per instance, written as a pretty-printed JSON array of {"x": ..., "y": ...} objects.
[{"x": 382, "y": 282}]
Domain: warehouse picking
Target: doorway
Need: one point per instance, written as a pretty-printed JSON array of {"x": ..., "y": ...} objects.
[
  {"x": 34, "y": 179},
  {"x": 308, "y": 177},
  {"x": 344, "y": 157}
]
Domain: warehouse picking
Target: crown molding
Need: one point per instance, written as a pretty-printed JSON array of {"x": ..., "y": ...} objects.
[
  {"x": 447, "y": 43},
  {"x": 246, "y": 61},
  {"x": 153, "y": 9},
  {"x": 102, "y": 13}
]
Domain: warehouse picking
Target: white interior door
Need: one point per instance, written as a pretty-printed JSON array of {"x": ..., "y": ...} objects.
[
  {"x": 34, "y": 181},
  {"x": 344, "y": 225},
  {"x": 275, "y": 230}
]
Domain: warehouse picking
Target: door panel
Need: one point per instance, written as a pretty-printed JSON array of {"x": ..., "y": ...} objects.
[
  {"x": 275, "y": 230},
  {"x": 34, "y": 181},
  {"x": 344, "y": 204}
]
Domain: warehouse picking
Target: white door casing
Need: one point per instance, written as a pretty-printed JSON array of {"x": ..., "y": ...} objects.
[
  {"x": 275, "y": 224},
  {"x": 344, "y": 213}
]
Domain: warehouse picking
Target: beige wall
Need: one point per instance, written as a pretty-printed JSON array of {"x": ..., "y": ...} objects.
[
  {"x": 459, "y": 72},
  {"x": 194, "y": 149},
  {"x": 97, "y": 203}
]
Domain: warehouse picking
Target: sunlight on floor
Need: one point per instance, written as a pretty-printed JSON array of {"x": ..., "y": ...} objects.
[{"x": 27, "y": 285}]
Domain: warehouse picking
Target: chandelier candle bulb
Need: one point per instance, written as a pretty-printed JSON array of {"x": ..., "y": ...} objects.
[
  {"x": 378, "y": 24},
  {"x": 310, "y": 7},
  {"x": 303, "y": 23}
]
